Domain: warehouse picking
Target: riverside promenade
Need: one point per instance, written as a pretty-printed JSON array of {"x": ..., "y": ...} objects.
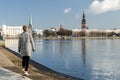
[
  {"x": 9, "y": 75},
  {"x": 10, "y": 69},
  {"x": 6, "y": 74}
]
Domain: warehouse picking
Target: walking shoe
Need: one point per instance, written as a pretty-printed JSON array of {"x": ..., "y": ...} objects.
[
  {"x": 23, "y": 69},
  {"x": 26, "y": 73}
]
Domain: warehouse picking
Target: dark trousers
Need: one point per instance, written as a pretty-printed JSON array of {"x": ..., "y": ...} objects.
[{"x": 25, "y": 62}]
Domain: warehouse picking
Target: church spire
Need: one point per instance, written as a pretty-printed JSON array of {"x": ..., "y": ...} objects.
[
  {"x": 83, "y": 15},
  {"x": 30, "y": 27},
  {"x": 84, "y": 25},
  {"x": 30, "y": 22}
]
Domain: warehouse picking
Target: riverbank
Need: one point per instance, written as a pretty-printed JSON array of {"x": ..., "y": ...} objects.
[
  {"x": 69, "y": 38},
  {"x": 13, "y": 63}
]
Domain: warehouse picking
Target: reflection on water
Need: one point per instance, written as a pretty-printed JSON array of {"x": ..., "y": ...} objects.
[
  {"x": 12, "y": 44},
  {"x": 87, "y": 59},
  {"x": 84, "y": 50}
]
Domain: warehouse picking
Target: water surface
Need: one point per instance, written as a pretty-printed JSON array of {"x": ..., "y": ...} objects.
[{"x": 87, "y": 59}]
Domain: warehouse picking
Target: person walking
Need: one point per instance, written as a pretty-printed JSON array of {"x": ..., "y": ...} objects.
[{"x": 25, "y": 47}]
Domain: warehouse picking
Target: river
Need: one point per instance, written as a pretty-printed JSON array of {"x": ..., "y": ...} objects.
[{"x": 97, "y": 59}]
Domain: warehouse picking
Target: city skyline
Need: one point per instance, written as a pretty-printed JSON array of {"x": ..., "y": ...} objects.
[{"x": 100, "y": 14}]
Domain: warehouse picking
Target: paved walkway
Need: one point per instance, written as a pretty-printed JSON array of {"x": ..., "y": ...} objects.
[
  {"x": 9, "y": 75},
  {"x": 4, "y": 61},
  {"x": 6, "y": 74}
]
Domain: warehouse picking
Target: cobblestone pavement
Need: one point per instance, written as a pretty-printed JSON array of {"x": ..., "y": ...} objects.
[{"x": 9, "y": 75}]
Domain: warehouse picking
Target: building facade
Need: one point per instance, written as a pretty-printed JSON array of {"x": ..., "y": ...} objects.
[{"x": 11, "y": 31}]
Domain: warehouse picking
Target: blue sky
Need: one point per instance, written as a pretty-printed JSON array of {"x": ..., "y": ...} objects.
[{"x": 52, "y": 13}]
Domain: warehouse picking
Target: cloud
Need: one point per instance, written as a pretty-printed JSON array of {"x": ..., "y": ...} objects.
[
  {"x": 67, "y": 10},
  {"x": 98, "y": 7}
]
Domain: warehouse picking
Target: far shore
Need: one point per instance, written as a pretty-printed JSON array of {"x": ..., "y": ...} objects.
[
  {"x": 67, "y": 38},
  {"x": 78, "y": 38}
]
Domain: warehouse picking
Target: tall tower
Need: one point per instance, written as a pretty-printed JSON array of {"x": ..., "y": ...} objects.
[
  {"x": 84, "y": 25},
  {"x": 30, "y": 27}
]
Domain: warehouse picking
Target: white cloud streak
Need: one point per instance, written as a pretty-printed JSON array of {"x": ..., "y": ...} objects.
[
  {"x": 67, "y": 10},
  {"x": 98, "y": 7}
]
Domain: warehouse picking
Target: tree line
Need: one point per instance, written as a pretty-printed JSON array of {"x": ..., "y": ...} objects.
[
  {"x": 65, "y": 32},
  {"x": 60, "y": 32}
]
